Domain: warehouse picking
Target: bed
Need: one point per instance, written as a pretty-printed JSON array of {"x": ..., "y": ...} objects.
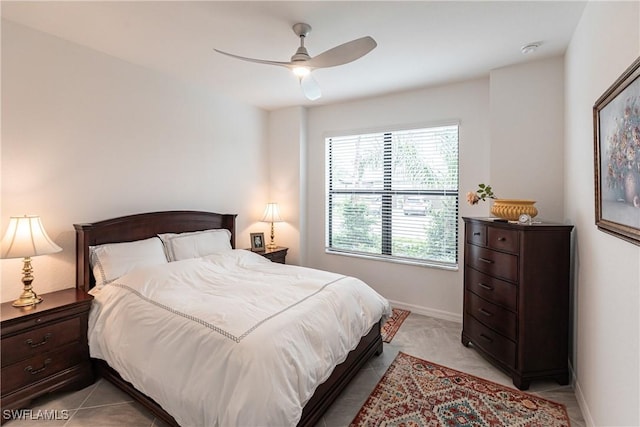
[{"x": 140, "y": 227}]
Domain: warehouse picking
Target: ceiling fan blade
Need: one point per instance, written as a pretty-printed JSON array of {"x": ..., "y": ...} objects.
[
  {"x": 344, "y": 53},
  {"x": 310, "y": 87},
  {"x": 259, "y": 61}
]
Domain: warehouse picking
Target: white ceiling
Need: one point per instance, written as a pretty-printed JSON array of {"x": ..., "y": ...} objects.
[{"x": 420, "y": 43}]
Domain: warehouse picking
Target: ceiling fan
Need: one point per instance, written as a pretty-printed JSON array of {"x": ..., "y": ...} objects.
[{"x": 302, "y": 63}]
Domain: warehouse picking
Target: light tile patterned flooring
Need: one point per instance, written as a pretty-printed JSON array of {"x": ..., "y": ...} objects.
[{"x": 435, "y": 340}]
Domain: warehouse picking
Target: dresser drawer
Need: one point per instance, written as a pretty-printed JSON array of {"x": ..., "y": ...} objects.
[
  {"x": 41, "y": 366},
  {"x": 503, "y": 240},
  {"x": 493, "y": 263},
  {"x": 476, "y": 234},
  {"x": 40, "y": 340},
  {"x": 491, "y": 342},
  {"x": 495, "y": 290},
  {"x": 497, "y": 318}
]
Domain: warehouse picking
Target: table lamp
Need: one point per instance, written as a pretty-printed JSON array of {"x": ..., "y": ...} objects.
[
  {"x": 271, "y": 214},
  {"x": 26, "y": 238}
]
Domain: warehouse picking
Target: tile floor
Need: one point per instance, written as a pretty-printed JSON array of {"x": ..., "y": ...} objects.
[{"x": 102, "y": 405}]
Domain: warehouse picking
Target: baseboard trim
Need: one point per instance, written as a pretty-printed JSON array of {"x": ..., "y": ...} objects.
[
  {"x": 582, "y": 403},
  {"x": 425, "y": 311}
]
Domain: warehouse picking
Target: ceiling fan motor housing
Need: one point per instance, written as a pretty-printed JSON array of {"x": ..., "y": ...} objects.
[
  {"x": 301, "y": 31},
  {"x": 301, "y": 55}
]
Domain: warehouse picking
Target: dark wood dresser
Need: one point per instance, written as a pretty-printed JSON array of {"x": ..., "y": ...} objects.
[
  {"x": 516, "y": 297},
  {"x": 44, "y": 347}
]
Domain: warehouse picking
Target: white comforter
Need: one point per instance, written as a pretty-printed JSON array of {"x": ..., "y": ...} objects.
[{"x": 230, "y": 339}]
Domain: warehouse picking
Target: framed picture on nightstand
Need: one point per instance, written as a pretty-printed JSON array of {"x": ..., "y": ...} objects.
[{"x": 257, "y": 242}]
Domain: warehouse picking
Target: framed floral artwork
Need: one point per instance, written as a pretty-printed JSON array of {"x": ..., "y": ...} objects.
[{"x": 616, "y": 122}]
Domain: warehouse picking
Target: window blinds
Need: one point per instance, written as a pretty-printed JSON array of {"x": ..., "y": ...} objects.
[{"x": 394, "y": 194}]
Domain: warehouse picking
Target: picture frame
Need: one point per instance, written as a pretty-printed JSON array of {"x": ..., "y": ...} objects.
[
  {"x": 616, "y": 125},
  {"x": 257, "y": 242}
]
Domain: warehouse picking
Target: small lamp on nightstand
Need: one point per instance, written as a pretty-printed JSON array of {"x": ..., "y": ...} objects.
[
  {"x": 26, "y": 238},
  {"x": 271, "y": 214}
]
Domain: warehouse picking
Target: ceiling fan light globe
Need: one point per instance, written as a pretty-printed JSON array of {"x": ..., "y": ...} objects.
[
  {"x": 301, "y": 71},
  {"x": 310, "y": 88}
]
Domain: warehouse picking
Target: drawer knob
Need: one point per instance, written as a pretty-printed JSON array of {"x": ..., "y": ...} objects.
[
  {"x": 37, "y": 371},
  {"x": 477, "y": 233},
  {"x": 486, "y": 261},
  {"x": 31, "y": 344},
  {"x": 502, "y": 239},
  {"x": 485, "y": 312},
  {"x": 483, "y": 286}
]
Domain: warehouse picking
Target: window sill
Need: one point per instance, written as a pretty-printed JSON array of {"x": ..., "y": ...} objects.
[{"x": 395, "y": 260}]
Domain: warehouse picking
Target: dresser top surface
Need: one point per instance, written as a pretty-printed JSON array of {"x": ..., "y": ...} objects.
[{"x": 536, "y": 224}]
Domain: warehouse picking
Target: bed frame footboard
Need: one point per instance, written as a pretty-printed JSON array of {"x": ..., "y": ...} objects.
[{"x": 328, "y": 392}]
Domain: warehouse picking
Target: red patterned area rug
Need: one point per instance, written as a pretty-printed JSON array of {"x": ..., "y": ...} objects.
[
  {"x": 393, "y": 323},
  {"x": 417, "y": 393}
]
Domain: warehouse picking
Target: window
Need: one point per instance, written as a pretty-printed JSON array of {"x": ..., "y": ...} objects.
[{"x": 394, "y": 195}]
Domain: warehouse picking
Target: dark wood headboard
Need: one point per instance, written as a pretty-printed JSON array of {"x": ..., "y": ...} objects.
[{"x": 141, "y": 226}]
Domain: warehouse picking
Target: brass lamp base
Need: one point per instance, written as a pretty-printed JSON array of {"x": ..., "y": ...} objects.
[
  {"x": 28, "y": 296},
  {"x": 272, "y": 244}
]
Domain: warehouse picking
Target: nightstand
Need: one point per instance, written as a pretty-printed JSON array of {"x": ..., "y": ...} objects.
[
  {"x": 275, "y": 255},
  {"x": 44, "y": 347}
]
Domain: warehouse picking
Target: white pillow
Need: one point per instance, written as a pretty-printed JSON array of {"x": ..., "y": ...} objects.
[
  {"x": 113, "y": 260},
  {"x": 196, "y": 244}
]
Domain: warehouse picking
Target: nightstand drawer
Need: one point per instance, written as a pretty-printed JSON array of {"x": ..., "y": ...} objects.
[
  {"x": 277, "y": 257},
  {"x": 495, "y": 290},
  {"x": 490, "y": 341},
  {"x": 493, "y": 263},
  {"x": 40, "y": 340},
  {"x": 491, "y": 315},
  {"x": 36, "y": 368},
  {"x": 278, "y": 254}
]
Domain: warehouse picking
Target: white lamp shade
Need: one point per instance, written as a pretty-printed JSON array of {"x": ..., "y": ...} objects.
[
  {"x": 271, "y": 213},
  {"x": 25, "y": 237}
]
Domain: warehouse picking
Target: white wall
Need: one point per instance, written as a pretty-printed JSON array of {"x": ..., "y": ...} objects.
[
  {"x": 287, "y": 129},
  {"x": 607, "y": 269},
  {"x": 527, "y": 132},
  {"x": 87, "y": 137}
]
